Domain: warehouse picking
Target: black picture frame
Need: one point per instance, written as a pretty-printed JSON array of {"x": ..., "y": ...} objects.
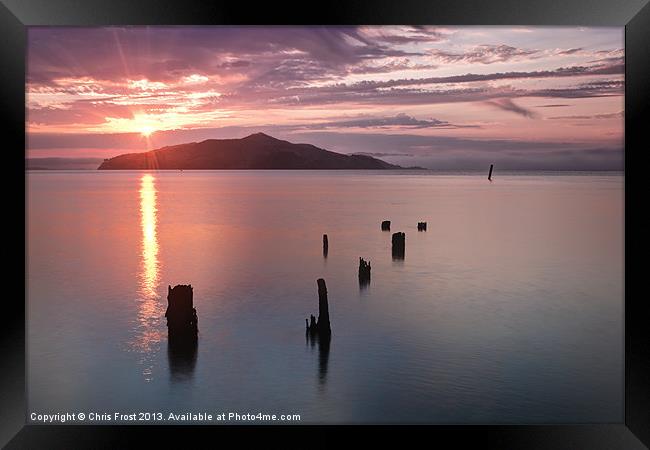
[{"x": 16, "y": 15}]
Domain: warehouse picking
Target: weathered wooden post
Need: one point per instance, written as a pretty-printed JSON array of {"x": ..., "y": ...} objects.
[
  {"x": 323, "y": 308},
  {"x": 399, "y": 244},
  {"x": 325, "y": 245},
  {"x": 364, "y": 271},
  {"x": 182, "y": 320},
  {"x": 422, "y": 226},
  {"x": 320, "y": 330},
  {"x": 490, "y": 174},
  {"x": 385, "y": 225},
  {"x": 322, "y": 325}
]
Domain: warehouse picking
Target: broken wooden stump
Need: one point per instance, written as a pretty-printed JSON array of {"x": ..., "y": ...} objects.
[
  {"x": 325, "y": 245},
  {"x": 319, "y": 331},
  {"x": 182, "y": 321},
  {"x": 399, "y": 244},
  {"x": 364, "y": 271},
  {"x": 422, "y": 226},
  {"x": 490, "y": 174},
  {"x": 322, "y": 325},
  {"x": 385, "y": 225}
]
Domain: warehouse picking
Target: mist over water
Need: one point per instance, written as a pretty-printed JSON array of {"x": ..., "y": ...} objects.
[{"x": 508, "y": 309}]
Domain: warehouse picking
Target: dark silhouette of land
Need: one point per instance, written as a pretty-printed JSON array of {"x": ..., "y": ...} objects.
[{"x": 257, "y": 151}]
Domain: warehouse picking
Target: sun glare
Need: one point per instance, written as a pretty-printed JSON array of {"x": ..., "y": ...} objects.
[
  {"x": 144, "y": 124},
  {"x": 146, "y": 130}
]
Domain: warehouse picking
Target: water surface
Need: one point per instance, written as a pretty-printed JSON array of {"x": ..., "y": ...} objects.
[{"x": 508, "y": 309}]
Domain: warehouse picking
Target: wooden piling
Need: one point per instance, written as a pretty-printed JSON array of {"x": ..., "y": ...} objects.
[
  {"x": 322, "y": 325},
  {"x": 399, "y": 244},
  {"x": 490, "y": 174},
  {"x": 385, "y": 225},
  {"x": 182, "y": 320},
  {"x": 364, "y": 271},
  {"x": 323, "y": 308}
]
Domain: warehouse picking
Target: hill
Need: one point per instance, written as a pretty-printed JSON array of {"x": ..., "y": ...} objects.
[{"x": 257, "y": 151}]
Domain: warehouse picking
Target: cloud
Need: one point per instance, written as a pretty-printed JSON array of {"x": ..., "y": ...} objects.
[
  {"x": 590, "y": 117},
  {"x": 594, "y": 55},
  {"x": 404, "y": 35},
  {"x": 158, "y": 69},
  {"x": 199, "y": 104},
  {"x": 570, "y": 51},
  {"x": 606, "y": 88},
  {"x": 508, "y": 105},
  {"x": 383, "y": 154},
  {"x": 403, "y": 93},
  {"x": 484, "y": 54},
  {"x": 422, "y": 90},
  {"x": 162, "y": 54},
  {"x": 390, "y": 65},
  {"x": 562, "y": 72},
  {"x": 400, "y": 120}
]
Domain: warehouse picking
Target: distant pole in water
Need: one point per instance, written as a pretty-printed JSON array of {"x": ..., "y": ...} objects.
[
  {"x": 490, "y": 174},
  {"x": 325, "y": 245},
  {"x": 385, "y": 225}
]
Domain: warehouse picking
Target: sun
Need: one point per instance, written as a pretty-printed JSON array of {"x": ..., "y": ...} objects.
[{"x": 146, "y": 130}]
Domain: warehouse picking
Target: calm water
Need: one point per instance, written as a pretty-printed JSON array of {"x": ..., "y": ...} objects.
[{"x": 508, "y": 309}]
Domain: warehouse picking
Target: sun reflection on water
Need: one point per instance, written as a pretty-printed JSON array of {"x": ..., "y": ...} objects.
[
  {"x": 148, "y": 211},
  {"x": 150, "y": 309}
]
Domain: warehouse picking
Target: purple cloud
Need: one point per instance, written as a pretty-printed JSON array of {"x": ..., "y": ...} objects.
[
  {"x": 484, "y": 54},
  {"x": 507, "y": 104},
  {"x": 400, "y": 120},
  {"x": 570, "y": 51},
  {"x": 590, "y": 117}
]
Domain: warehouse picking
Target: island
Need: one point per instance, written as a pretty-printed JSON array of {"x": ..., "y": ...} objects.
[{"x": 257, "y": 151}]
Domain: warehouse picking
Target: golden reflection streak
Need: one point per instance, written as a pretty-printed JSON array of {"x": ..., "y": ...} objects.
[
  {"x": 150, "y": 309},
  {"x": 149, "y": 238}
]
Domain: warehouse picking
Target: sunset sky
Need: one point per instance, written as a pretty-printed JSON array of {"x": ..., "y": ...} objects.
[{"x": 438, "y": 97}]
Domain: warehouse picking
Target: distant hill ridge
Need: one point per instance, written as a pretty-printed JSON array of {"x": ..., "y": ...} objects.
[{"x": 257, "y": 151}]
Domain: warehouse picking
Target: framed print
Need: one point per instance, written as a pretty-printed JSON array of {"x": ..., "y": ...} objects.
[{"x": 392, "y": 218}]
